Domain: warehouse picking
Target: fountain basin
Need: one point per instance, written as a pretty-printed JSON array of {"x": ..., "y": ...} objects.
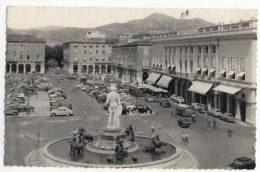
[{"x": 58, "y": 151}]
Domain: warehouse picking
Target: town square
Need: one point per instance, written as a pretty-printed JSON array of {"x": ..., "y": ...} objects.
[{"x": 165, "y": 90}]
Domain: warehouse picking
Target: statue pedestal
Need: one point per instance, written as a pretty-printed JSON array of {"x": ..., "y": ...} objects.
[{"x": 106, "y": 144}]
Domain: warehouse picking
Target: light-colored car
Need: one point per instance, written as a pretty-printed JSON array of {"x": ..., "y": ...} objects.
[
  {"x": 199, "y": 107},
  {"x": 62, "y": 111},
  {"x": 214, "y": 112}
]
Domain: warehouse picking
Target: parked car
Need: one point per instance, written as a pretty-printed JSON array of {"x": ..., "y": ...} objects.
[
  {"x": 144, "y": 109},
  {"x": 184, "y": 120},
  {"x": 101, "y": 99},
  {"x": 62, "y": 111},
  {"x": 11, "y": 111},
  {"x": 173, "y": 97},
  {"x": 178, "y": 100},
  {"x": 242, "y": 163},
  {"x": 199, "y": 107},
  {"x": 215, "y": 112},
  {"x": 125, "y": 110},
  {"x": 150, "y": 99},
  {"x": 165, "y": 103},
  {"x": 228, "y": 117}
]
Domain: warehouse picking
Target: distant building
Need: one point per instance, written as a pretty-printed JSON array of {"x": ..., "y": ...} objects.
[
  {"x": 25, "y": 54},
  {"x": 214, "y": 65},
  {"x": 87, "y": 57},
  {"x": 131, "y": 61},
  {"x": 95, "y": 33}
]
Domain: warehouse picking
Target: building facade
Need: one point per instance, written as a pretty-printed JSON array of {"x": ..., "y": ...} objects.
[
  {"x": 130, "y": 61},
  {"x": 215, "y": 66},
  {"x": 87, "y": 57},
  {"x": 25, "y": 54}
]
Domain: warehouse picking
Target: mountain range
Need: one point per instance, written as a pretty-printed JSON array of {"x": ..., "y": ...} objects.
[{"x": 153, "y": 23}]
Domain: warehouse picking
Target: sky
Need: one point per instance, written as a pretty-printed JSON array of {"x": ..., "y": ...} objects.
[{"x": 31, "y": 17}]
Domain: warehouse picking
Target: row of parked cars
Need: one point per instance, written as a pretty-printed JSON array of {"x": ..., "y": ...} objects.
[{"x": 59, "y": 105}]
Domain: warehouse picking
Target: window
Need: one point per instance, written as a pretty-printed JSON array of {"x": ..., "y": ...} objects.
[
  {"x": 90, "y": 46},
  {"x": 103, "y": 59},
  {"x": 103, "y": 46},
  {"x": 38, "y": 56},
  {"x": 96, "y": 51},
  {"x": 103, "y": 52},
  {"x": 242, "y": 64},
  {"x": 200, "y": 29},
  {"x": 186, "y": 49},
  {"x": 199, "y": 49},
  {"x": 97, "y": 59},
  {"x": 21, "y": 56},
  {"x": 180, "y": 65},
  {"x": 213, "y": 62},
  {"x": 243, "y": 25},
  {"x": 213, "y": 49},
  {"x": 85, "y": 51},
  {"x": 145, "y": 63},
  {"x": 233, "y": 63},
  {"x": 235, "y": 26},
  {"x": 191, "y": 50},
  {"x": 207, "y": 29},
  {"x": 215, "y": 28},
  {"x": 205, "y": 62},
  {"x": 226, "y": 27},
  {"x": 90, "y": 59},
  {"x": 28, "y": 57},
  {"x": 206, "y": 49},
  {"x": 76, "y": 45},
  {"x": 97, "y": 46},
  {"x": 108, "y": 59},
  {"x": 224, "y": 62}
]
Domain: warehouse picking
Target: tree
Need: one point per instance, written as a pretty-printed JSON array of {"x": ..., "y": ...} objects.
[{"x": 54, "y": 56}]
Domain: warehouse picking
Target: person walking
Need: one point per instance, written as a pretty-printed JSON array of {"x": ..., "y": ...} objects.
[
  {"x": 183, "y": 139},
  {"x": 214, "y": 124},
  {"x": 208, "y": 122},
  {"x": 230, "y": 132},
  {"x": 187, "y": 138}
]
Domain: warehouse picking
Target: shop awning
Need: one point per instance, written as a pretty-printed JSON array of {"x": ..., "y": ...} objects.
[
  {"x": 200, "y": 87},
  {"x": 164, "y": 81},
  {"x": 152, "y": 88},
  {"x": 227, "y": 89},
  {"x": 153, "y": 77}
]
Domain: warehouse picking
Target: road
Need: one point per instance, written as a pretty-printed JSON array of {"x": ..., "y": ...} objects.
[{"x": 212, "y": 148}]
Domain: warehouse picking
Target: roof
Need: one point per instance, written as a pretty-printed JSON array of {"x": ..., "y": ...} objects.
[
  {"x": 24, "y": 38},
  {"x": 92, "y": 41}
]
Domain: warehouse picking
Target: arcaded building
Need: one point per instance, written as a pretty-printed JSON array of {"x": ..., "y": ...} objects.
[
  {"x": 130, "y": 61},
  {"x": 87, "y": 57},
  {"x": 25, "y": 54},
  {"x": 214, "y": 65}
]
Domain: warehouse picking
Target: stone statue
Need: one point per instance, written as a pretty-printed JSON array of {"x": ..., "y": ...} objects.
[{"x": 114, "y": 108}]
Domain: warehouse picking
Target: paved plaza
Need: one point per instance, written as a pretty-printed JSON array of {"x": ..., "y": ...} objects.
[{"x": 211, "y": 147}]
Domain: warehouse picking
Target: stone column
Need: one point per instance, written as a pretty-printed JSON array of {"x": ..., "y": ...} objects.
[
  {"x": 106, "y": 68},
  {"x": 238, "y": 115},
  {"x": 215, "y": 100},
  {"x": 176, "y": 87},
  {"x": 228, "y": 103},
  {"x": 100, "y": 69}
]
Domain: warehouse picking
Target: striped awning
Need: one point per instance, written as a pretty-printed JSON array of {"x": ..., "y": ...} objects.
[
  {"x": 200, "y": 87},
  {"x": 227, "y": 89},
  {"x": 164, "y": 81},
  {"x": 153, "y": 77}
]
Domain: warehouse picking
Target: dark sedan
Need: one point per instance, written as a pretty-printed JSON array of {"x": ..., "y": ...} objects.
[{"x": 242, "y": 163}]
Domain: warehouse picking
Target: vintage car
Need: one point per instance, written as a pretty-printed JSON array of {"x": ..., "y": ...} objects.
[
  {"x": 215, "y": 112},
  {"x": 242, "y": 163},
  {"x": 62, "y": 111},
  {"x": 165, "y": 103}
]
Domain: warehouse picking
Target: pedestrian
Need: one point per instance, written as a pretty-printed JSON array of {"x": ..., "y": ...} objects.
[
  {"x": 187, "y": 138},
  {"x": 208, "y": 122},
  {"x": 193, "y": 117},
  {"x": 183, "y": 139},
  {"x": 214, "y": 124},
  {"x": 230, "y": 132},
  {"x": 171, "y": 113}
]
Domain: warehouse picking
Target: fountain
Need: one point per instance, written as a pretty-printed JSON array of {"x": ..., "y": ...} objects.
[{"x": 140, "y": 151}]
